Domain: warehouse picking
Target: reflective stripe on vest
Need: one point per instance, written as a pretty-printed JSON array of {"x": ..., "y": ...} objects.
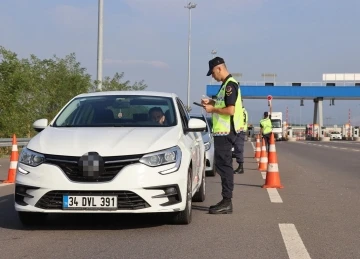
[
  {"x": 267, "y": 126},
  {"x": 222, "y": 123},
  {"x": 245, "y": 119}
]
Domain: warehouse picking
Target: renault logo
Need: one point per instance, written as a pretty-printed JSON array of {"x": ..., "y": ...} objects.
[{"x": 91, "y": 165}]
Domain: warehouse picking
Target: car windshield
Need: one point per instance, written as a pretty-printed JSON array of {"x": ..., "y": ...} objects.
[
  {"x": 118, "y": 111},
  {"x": 276, "y": 123}
]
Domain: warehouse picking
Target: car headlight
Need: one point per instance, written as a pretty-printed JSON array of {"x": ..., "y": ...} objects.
[
  {"x": 164, "y": 157},
  {"x": 31, "y": 158},
  {"x": 207, "y": 146}
]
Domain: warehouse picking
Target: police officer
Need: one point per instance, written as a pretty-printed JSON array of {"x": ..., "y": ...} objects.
[
  {"x": 228, "y": 121},
  {"x": 266, "y": 128},
  {"x": 240, "y": 142}
]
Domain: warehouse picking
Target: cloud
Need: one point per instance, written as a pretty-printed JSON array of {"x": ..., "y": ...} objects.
[
  {"x": 153, "y": 63},
  {"x": 204, "y": 8},
  {"x": 76, "y": 18}
]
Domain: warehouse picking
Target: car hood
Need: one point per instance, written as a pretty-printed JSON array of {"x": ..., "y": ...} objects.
[{"x": 105, "y": 141}]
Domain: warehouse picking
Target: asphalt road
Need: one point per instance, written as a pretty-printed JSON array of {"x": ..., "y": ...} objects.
[
  {"x": 343, "y": 145},
  {"x": 314, "y": 216},
  {"x": 4, "y": 168}
]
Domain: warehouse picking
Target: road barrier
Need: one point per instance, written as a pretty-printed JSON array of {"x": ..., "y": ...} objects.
[{"x": 7, "y": 142}]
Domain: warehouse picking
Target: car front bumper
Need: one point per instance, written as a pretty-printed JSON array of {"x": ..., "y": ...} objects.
[{"x": 139, "y": 189}]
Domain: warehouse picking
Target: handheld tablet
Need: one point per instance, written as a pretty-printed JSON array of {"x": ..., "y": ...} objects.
[{"x": 198, "y": 104}]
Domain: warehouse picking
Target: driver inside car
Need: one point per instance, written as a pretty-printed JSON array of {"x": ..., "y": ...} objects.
[{"x": 156, "y": 114}]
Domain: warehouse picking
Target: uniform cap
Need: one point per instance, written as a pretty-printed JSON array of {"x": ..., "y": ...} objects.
[{"x": 213, "y": 63}]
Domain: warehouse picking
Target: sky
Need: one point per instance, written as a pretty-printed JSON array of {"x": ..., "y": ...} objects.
[{"x": 148, "y": 40}]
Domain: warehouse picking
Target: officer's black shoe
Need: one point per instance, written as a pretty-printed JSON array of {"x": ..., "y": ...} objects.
[
  {"x": 239, "y": 170},
  {"x": 217, "y": 204},
  {"x": 223, "y": 207}
]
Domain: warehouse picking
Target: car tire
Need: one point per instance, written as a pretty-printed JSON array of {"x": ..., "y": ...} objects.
[
  {"x": 184, "y": 217},
  {"x": 200, "y": 195},
  {"x": 32, "y": 218},
  {"x": 213, "y": 171}
]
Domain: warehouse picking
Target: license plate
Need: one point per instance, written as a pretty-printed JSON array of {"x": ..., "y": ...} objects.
[{"x": 89, "y": 202}]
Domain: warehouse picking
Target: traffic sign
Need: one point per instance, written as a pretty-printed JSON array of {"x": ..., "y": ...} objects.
[{"x": 269, "y": 97}]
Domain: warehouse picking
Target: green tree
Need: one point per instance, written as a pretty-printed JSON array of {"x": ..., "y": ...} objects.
[
  {"x": 33, "y": 88},
  {"x": 115, "y": 84}
]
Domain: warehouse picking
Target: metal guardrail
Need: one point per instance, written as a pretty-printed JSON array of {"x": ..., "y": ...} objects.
[{"x": 7, "y": 142}]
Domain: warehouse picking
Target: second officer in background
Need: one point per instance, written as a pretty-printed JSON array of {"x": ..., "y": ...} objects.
[{"x": 240, "y": 143}]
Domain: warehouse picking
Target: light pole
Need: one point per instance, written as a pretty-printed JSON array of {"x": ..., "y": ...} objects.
[
  {"x": 213, "y": 52},
  {"x": 100, "y": 44},
  {"x": 189, "y": 6}
]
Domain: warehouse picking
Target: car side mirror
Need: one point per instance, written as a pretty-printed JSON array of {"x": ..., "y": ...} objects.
[
  {"x": 40, "y": 125},
  {"x": 196, "y": 125}
]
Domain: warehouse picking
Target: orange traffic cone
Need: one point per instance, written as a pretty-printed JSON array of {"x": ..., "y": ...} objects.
[
  {"x": 13, "y": 161},
  {"x": 258, "y": 149},
  {"x": 272, "y": 174},
  {"x": 264, "y": 157}
]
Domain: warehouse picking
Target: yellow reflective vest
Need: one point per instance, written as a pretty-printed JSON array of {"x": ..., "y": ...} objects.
[
  {"x": 266, "y": 125},
  {"x": 222, "y": 123},
  {"x": 245, "y": 119}
]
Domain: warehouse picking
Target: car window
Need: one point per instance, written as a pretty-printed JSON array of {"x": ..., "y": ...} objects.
[
  {"x": 185, "y": 110},
  {"x": 184, "y": 119},
  {"x": 118, "y": 111}
]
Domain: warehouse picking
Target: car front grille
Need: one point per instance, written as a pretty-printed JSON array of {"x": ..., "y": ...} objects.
[
  {"x": 69, "y": 165},
  {"x": 126, "y": 200}
]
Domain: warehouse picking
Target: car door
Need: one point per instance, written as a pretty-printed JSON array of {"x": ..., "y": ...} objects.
[{"x": 192, "y": 141}]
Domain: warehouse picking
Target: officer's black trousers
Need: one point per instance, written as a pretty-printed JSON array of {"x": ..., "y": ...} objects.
[
  {"x": 223, "y": 162},
  {"x": 239, "y": 147},
  {"x": 267, "y": 141}
]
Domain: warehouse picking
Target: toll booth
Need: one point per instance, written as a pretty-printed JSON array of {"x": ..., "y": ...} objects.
[
  {"x": 316, "y": 130},
  {"x": 347, "y": 131},
  {"x": 322, "y": 132},
  {"x": 356, "y": 132},
  {"x": 289, "y": 132}
]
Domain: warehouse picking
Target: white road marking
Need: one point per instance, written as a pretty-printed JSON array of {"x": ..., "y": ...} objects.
[
  {"x": 4, "y": 184},
  {"x": 253, "y": 145},
  {"x": 274, "y": 195},
  {"x": 263, "y": 174},
  {"x": 293, "y": 243}
]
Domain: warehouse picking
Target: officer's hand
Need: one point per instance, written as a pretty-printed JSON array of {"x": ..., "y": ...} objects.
[
  {"x": 208, "y": 108},
  {"x": 205, "y": 101}
]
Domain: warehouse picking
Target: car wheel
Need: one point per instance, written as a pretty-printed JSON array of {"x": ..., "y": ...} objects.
[
  {"x": 184, "y": 217},
  {"x": 31, "y": 218},
  {"x": 213, "y": 171},
  {"x": 200, "y": 195}
]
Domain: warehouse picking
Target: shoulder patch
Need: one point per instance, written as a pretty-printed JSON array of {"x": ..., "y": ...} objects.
[{"x": 228, "y": 88}]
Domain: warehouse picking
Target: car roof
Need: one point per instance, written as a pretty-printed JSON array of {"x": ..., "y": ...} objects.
[{"x": 139, "y": 93}]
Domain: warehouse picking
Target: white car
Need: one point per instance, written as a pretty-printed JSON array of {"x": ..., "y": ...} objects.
[
  {"x": 335, "y": 135},
  {"x": 209, "y": 145},
  {"x": 102, "y": 153}
]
